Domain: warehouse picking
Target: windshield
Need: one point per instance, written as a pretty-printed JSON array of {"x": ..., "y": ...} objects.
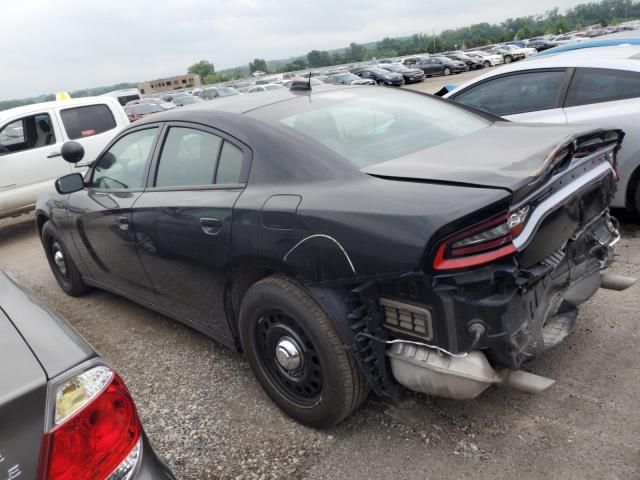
[
  {"x": 442, "y": 59},
  {"x": 371, "y": 126},
  {"x": 274, "y": 87},
  {"x": 396, "y": 68},
  {"x": 226, "y": 91},
  {"x": 145, "y": 108},
  {"x": 379, "y": 71},
  {"x": 186, "y": 100}
]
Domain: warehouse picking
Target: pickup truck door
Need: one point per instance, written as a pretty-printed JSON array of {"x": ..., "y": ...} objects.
[
  {"x": 94, "y": 126},
  {"x": 29, "y": 159}
]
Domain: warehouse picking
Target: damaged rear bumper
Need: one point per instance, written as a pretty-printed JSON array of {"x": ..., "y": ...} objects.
[{"x": 522, "y": 312}]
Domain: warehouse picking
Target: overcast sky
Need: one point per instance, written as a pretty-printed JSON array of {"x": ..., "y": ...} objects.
[{"x": 50, "y": 46}]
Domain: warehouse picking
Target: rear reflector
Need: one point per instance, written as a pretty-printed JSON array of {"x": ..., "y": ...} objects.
[
  {"x": 407, "y": 318},
  {"x": 96, "y": 433}
]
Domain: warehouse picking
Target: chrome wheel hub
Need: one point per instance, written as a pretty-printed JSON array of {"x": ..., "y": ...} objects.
[
  {"x": 58, "y": 258},
  {"x": 288, "y": 354}
]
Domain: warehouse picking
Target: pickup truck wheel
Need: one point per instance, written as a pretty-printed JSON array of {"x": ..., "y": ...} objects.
[
  {"x": 508, "y": 59},
  {"x": 61, "y": 263},
  {"x": 447, "y": 71},
  {"x": 297, "y": 356}
]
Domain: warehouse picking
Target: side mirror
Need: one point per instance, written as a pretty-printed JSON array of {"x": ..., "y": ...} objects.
[
  {"x": 72, "y": 152},
  {"x": 70, "y": 183}
]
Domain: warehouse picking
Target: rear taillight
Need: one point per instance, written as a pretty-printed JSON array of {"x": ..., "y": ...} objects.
[
  {"x": 483, "y": 243},
  {"x": 95, "y": 433}
]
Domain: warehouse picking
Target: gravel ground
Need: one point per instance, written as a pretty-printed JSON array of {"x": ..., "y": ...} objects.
[{"x": 207, "y": 416}]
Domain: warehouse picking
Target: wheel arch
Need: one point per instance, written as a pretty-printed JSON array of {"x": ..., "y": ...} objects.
[
  {"x": 41, "y": 219},
  {"x": 334, "y": 300},
  {"x": 632, "y": 187}
]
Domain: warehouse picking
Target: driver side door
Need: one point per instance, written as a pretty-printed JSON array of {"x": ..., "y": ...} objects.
[{"x": 101, "y": 213}]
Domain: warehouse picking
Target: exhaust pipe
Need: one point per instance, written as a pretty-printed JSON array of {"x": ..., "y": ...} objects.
[
  {"x": 618, "y": 283},
  {"x": 462, "y": 377},
  {"x": 526, "y": 382}
]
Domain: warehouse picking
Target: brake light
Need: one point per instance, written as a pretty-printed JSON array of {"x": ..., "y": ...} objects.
[
  {"x": 482, "y": 243},
  {"x": 96, "y": 433}
]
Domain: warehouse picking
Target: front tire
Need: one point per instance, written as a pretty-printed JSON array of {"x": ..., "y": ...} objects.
[
  {"x": 487, "y": 64},
  {"x": 446, "y": 71},
  {"x": 64, "y": 269},
  {"x": 508, "y": 59},
  {"x": 297, "y": 356}
]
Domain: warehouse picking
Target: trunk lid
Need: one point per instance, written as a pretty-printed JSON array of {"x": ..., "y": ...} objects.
[
  {"x": 23, "y": 393},
  {"x": 55, "y": 344},
  {"x": 510, "y": 156}
]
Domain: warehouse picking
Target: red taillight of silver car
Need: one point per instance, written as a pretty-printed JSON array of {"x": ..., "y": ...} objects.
[
  {"x": 94, "y": 432},
  {"x": 481, "y": 244}
]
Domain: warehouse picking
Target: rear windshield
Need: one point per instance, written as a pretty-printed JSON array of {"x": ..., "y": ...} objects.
[{"x": 370, "y": 126}]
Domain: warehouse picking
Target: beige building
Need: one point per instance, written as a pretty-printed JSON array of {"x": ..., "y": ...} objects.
[{"x": 180, "y": 82}]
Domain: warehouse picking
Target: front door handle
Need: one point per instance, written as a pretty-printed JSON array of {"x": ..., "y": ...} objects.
[
  {"x": 123, "y": 223},
  {"x": 54, "y": 154},
  {"x": 211, "y": 226}
]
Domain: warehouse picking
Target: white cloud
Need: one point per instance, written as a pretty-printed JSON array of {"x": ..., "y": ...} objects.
[{"x": 70, "y": 44}]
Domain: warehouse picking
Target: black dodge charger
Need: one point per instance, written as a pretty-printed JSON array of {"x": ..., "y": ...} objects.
[
  {"x": 64, "y": 413},
  {"x": 346, "y": 239}
]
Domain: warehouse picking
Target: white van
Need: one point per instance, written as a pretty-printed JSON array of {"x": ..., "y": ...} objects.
[{"x": 31, "y": 138}]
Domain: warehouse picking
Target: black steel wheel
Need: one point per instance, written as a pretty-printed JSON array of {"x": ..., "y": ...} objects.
[
  {"x": 289, "y": 358},
  {"x": 297, "y": 355},
  {"x": 62, "y": 266}
]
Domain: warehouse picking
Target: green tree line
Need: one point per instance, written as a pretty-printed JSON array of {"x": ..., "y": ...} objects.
[{"x": 606, "y": 12}]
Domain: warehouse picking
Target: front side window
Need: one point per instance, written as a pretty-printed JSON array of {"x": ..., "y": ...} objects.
[
  {"x": 80, "y": 122},
  {"x": 188, "y": 158},
  {"x": 123, "y": 165},
  {"x": 34, "y": 131},
  {"x": 511, "y": 94},
  {"x": 595, "y": 85}
]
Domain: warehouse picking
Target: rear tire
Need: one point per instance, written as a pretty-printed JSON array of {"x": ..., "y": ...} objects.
[
  {"x": 318, "y": 382},
  {"x": 62, "y": 266}
]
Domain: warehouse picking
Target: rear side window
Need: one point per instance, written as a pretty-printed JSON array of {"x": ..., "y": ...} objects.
[
  {"x": 518, "y": 93},
  {"x": 80, "y": 122},
  {"x": 230, "y": 164},
  {"x": 188, "y": 158},
  {"x": 595, "y": 85},
  {"x": 193, "y": 157}
]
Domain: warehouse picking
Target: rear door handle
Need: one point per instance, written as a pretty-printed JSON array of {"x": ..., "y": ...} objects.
[
  {"x": 211, "y": 226},
  {"x": 123, "y": 223},
  {"x": 54, "y": 154}
]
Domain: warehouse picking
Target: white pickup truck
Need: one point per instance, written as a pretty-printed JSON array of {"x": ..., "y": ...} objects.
[{"x": 31, "y": 138}]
